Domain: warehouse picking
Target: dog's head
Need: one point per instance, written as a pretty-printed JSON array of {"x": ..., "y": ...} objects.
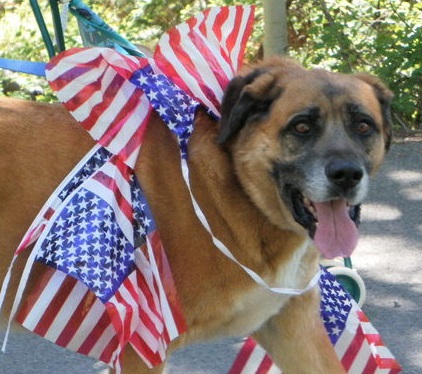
[{"x": 304, "y": 144}]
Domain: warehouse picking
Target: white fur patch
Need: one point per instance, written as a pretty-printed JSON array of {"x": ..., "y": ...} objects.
[{"x": 255, "y": 307}]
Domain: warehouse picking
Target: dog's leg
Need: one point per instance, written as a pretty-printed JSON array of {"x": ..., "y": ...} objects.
[
  {"x": 296, "y": 338},
  {"x": 133, "y": 364}
]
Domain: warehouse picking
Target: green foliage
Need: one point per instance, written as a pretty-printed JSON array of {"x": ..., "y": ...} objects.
[
  {"x": 382, "y": 37},
  {"x": 21, "y": 39}
]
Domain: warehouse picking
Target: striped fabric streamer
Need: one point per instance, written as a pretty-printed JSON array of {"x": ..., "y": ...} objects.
[
  {"x": 202, "y": 55},
  {"x": 356, "y": 342}
]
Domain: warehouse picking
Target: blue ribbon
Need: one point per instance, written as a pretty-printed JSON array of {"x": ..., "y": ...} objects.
[{"x": 21, "y": 66}]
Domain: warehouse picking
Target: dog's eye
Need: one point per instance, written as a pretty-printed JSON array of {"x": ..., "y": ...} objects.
[
  {"x": 363, "y": 128},
  {"x": 302, "y": 128}
]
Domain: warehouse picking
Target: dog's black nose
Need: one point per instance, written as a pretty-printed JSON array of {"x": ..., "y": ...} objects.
[{"x": 344, "y": 173}]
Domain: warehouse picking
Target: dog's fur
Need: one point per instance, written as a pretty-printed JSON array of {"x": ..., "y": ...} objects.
[{"x": 281, "y": 126}]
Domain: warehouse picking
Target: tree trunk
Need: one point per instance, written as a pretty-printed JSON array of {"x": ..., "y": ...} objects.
[{"x": 275, "y": 27}]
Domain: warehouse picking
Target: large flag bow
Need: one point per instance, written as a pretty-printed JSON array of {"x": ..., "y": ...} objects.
[{"x": 109, "y": 283}]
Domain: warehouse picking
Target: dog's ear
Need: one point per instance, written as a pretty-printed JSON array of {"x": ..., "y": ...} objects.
[
  {"x": 384, "y": 96},
  {"x": 246, "y": 98}
]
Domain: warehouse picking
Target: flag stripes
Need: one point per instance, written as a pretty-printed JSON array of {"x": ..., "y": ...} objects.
[
  {"x": 66, "y": 313},
  {"x": 253, "y": 359},
  {"x": 135, "y": 308},
  {"x": 352, "y": 336},
  {"x": 123, "y": 309},
  {"x": 109, "y": 184},
  {"x": 92, "y": 84},
  {"x": 203, "y": 55}
]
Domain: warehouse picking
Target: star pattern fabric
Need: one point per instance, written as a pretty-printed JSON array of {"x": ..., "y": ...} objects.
[
  {"x": 336, "y": 305},
  {"x": 356, "y": 342},
  {"x": 176, "y": 108},
  {"x": 87, "y": 243}
]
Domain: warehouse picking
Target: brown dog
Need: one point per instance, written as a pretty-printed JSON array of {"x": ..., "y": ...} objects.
[{"x": 289, "y": 161}]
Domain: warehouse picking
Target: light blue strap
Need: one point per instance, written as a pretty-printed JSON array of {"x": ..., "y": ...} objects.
[
  {"x": 95, "y": 32},
  {"x": 21, "y": 66}
]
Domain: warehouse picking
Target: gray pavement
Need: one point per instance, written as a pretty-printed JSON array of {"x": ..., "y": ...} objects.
[{"x": 388, "y": 257}]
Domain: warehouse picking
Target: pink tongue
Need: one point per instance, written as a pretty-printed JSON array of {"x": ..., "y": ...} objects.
[{"x": 336, "y": 234}]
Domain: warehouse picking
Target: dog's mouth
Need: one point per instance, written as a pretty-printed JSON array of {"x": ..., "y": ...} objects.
[{"x": 331, "y": 224}]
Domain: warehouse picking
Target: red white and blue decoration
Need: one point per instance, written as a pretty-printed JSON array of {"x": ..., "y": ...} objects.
[
  {"x": 357, "y": 343},
  {"x": 108, "y": 283}
]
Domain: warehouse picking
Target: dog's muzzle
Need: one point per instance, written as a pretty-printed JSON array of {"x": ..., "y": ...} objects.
[
  {"x": 331, "y": 224},
  {"x": 332, "y": 214}
]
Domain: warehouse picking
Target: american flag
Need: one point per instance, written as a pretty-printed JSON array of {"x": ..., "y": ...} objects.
[
  {"x": 93, "y": 84},
  {"x": 102, "y": 242},
  {"x": 174, "y": 106},
  {"x": 202, "y": 55},
  {"x": 356, "y": 342},
  {"x": 107, "y": 276}
]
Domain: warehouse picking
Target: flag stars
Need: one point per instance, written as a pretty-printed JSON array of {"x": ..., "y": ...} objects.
[
  {"x": 72, "y": 219},
  {"x": 49, "y": 257},
  {"x": 97, "y": 284},
  {"x": 175, "y": 107},
  {"x": 153, "y": 96},
  {"x": 72, "y": 269},
  {"x": 59, "y": 251},
  {"x": 97, "y": 246},
  {"x": 159, "y": 82},
  {"x": 108, "y": 271},
  {"x": 108, "y": 235},
  {"x": 347, "y": 302},
  {"x": 164, "y": 91},
  {"x": 97, "y": 271},
  {"x": 82, "y": 194},
  {"x": 142, "y": 80},
  {"x": 59, "y": 262},
  {"x": 85, "y": 257},
  {"x": 332, "y": 319},
  {"x": 146, "y": 222},
  {"x": 172, "y": 125},
  {"x": 335, "y": 305},
  {"x": 180, "y": 96},
  {"x": 330, "y": 300},
  {"x": 161, "y": 110},
  {"x": 335, "y": 331},
  {"x": 97, "y": 257},
  {"x": 60, "y": 222},
  {"x": 84, "y": 272},
  {"x": 122, "y": 266},
  {"x": 341, "y": 293},
  {"x": 130, "y": 256},
  {"x": 87, "y": 242},
  {"x": 96, "y": 222},
  {"x": 71, "y": 208},
  {"x": 83, "y": 236},
  {"x": 123, "y": 241}
]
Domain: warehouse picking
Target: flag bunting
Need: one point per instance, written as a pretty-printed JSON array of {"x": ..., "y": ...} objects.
[{"x": 356, "y": 342}]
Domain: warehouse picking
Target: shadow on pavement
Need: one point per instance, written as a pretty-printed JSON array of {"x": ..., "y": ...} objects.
[{"x": 389, "y": 255}]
